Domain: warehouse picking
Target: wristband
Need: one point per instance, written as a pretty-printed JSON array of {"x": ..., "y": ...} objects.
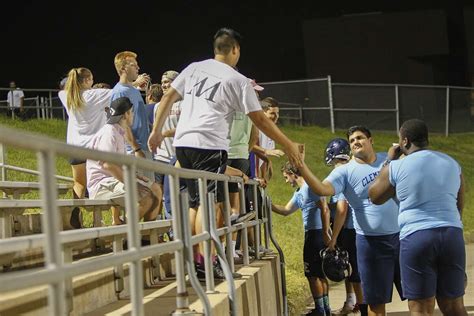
[{"x": 386, "y": 162}]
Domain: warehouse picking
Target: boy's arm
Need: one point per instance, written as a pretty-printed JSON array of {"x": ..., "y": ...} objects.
[
  {"x": 339, "y": 220},
  {"x": 286, "y": 210},
  {"x": 325, "y": 219}
]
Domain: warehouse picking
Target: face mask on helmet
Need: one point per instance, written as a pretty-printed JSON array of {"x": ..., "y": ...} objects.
[
  {"x": 337, "y": 148},
  {"x": 335, "y": 264}
]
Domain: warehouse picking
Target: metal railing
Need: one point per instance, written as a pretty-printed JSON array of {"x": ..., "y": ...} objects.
[
  {"x": 446, "y": 109},
  {"x": 59, "y": 271}
]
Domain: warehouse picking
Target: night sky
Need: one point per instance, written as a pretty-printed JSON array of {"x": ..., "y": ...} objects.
[{"x": 42, "y": 41}]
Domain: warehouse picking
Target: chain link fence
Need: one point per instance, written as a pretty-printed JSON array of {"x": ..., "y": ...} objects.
[{"x": 321, "y": 102}]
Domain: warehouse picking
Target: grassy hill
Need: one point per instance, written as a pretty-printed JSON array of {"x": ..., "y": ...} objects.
[{"x": 288, "y": 230}]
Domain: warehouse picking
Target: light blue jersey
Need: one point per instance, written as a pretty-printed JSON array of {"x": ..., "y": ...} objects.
[
  {"x": 307, "y": 201},
  {"x": 349, "y": 223},
  {"x": 427, "y": 184},
  {"x": 353, "y": 180},
  {"x": 140, "y": 128}
]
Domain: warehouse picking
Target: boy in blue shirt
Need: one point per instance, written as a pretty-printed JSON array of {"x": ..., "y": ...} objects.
[
  {"x": 429, "y": 186},
  {"x": 316, "y": 221}
]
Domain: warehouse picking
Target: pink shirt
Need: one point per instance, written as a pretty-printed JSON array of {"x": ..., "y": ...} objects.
[{"x": 109, "y": 138}]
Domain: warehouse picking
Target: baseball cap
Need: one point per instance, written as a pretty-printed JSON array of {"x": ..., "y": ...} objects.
[
  {"x": 256, "y": 86},
  {"x": 170, "y": 74},
  {"x": 118, "y": 108}
]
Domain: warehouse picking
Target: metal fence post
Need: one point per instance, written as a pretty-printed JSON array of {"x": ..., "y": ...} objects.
[
  {"x": 133, "y": 237},
  {"x": 50, "y": 228},
  {"x": 3, "y": 161},
  {"x": 205, "y": 209},
  {"x": 397, "y": 110},
  {"x": 331, "y": 106},
  {"x": 446, "y": 133},
  {"x": 37, "y": 107},
  {"x": 50, "y": 104}
]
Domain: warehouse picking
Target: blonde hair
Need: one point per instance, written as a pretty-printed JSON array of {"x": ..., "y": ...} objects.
[
  {"x": 120, "y": 59},
  {"x": 75, "y": 80}
]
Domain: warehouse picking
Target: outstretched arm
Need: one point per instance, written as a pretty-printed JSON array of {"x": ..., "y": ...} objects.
[
  {"x": 381, "y": 190},
  {"x": 286, "y": 210},
  {"x": 324, "y": 188},
  {"x": 266, "y": 125}
]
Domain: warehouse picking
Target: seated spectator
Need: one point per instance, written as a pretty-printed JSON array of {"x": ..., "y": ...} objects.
[{"x": 104, "y": 179}]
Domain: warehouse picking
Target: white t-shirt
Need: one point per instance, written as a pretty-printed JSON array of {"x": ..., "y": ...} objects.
[
  {"x": 84, "y": 123},
  {"x": 166, "y": 150},
  {"x": 212, "y": 91},
  {"x": 17, "y": 95},
  {"x": 266, "y": 143}
]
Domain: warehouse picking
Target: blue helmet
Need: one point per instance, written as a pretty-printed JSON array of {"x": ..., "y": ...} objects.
[{"x": 337, "y": 148}]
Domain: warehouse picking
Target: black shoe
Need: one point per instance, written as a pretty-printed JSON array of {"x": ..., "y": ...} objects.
[
  {"x": 75, "y": 220},
  {"x": 201, "y": 272}
]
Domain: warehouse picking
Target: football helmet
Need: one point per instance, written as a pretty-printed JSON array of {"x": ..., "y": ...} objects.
[
  {"x": 337, "y": 148},
  {"x": 335, "y": 264}
]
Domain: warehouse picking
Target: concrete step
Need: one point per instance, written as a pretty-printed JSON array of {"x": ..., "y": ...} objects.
[{"x": 256, "y": 294}]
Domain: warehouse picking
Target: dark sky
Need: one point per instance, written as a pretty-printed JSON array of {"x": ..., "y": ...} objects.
[{"x": 42, "y": 41}]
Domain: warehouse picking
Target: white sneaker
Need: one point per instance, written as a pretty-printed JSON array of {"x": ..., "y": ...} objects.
[{"x": 346, "y": 309}]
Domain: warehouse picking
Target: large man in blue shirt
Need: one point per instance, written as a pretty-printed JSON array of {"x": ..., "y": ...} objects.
[
  {"x": 376, "y": 225},
  {"x": 429, "y": 186}
]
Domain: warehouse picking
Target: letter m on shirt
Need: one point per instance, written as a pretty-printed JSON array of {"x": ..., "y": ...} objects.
[{"x": 200, "y": 88}]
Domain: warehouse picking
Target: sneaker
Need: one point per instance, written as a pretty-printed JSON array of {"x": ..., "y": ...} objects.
[
  {"x": 240, "y": 218},
  {"x": 75, "y": 220},
  {"x": 346, "y": 309},
  {"x": 201, "y": 272},
  {"x": 313, "y": 312}
]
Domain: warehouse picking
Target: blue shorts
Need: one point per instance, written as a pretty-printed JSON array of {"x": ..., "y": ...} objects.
[
  {"x": 379, "y": 268},
  {"x": 433, "y": 262},
  {"x": 346, "y": 241},
  {"x": 313, "y": 243}
]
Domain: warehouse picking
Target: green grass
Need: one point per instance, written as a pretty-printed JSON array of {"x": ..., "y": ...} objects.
[{"x": 288, "y": 230}]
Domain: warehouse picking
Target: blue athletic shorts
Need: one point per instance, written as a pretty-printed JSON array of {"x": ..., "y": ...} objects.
[
  {"x": 313, "y": 243},
  {"x": 346, "y": 241},
  {"x": 433, "y": 263},
  {"x": 379, "y": 268}
]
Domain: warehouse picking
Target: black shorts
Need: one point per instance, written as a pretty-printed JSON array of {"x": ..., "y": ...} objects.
[
  {"x": 203, "y": 159},
  {"x": 74, "y": 161},
  {"x": 159, "y": 177},
  {"x": 241, "y": 164},
  {"x": 313, "y": 244},
  {"x": 347, "y": 241}
]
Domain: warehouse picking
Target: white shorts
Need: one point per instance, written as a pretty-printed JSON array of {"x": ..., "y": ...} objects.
[{"x": 114, "y": 190}]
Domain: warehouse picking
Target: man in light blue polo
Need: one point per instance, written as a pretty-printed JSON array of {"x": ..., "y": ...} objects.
[
  {"x": 429, "y": 186},
  {"x": 376, "y": 225}
]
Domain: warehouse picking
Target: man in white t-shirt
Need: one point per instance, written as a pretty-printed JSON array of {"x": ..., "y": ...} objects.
[
  {"x": 265, "y": 143},
  {"x": 15, "y": 98},
  {"x": 211, "y": 92},
  {"x": 166, "y": 152}
]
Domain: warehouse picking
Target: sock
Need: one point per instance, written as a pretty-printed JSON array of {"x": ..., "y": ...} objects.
[
  {"x": 327, "y": 309},
  {"x": 363, "y": 310},
  {"x": 350, "y": 299},
  {"x": 319, "y": 305},
  {"x": 234, "y": 242}
]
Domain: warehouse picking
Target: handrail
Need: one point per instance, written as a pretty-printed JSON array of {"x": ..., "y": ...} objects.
[
  {"x": 58, "y": 272},
  {"x": 15, "y": 244}
]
